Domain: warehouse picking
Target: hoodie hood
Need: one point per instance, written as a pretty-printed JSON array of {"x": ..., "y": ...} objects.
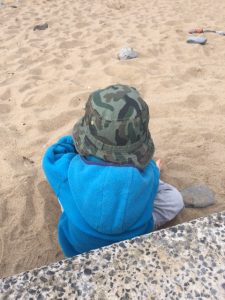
[{"x": 112, "y": 198}]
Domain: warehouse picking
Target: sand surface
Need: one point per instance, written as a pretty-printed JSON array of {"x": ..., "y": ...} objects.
[{"x": 46, "y": 76}]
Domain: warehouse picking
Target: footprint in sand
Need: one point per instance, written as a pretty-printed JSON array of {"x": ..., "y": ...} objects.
[
  {"x": 124, "y": 71},
  {"x": 75, "y": 35},
  {"x": 5, "y": 108},
  {"x": 170, "y": 83},
  {"x": 100, "y": 51},
  {"x": 201, "y": 102},
  {"x": 68, "y": 67},
  {"x": 1, "y": 248},
  {"x": 178, "y": 167},
  {"x": 193, "y": 72},
  {"x": 6, "y": 95},
  {"x": 29, "y": 212},
  {"x": 41, "y": 257},
  {"x": 105, "y": 49},
  {"x": 45, "y": 102},
  {"x": 107, "y": 36},
  {"x": 35, "y": 71},
  {"x": 70, "y": 44},
  {"x": 55, "y": 61},
  {"x": 51, "y": 205},
  {"x": 55, "y": 123},
  {"x": 86, "y": 63},
  {"x": 16, "y": 233},
  {"x": 211, "y": 137},
  {"x": 4, "y": 195},
  {"x": 26, "y": 87},
  {"x": 82, "y": 25},
  {"x": 116, "y": 4},
  {"x": 79, "y": 100},
  {"x": 154, "y": 50}
]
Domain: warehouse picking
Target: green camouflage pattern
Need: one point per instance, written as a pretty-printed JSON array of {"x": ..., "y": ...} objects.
[{"x": 115, "y": 127}]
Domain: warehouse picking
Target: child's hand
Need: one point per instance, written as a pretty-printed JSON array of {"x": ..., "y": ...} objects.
[{"x": 159, "y": 164}]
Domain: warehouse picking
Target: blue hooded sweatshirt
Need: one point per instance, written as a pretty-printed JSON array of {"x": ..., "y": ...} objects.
[{"x": 102, "y": 202}]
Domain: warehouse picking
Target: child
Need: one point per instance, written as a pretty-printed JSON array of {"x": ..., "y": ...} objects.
[{"x": 104, "y": 176}]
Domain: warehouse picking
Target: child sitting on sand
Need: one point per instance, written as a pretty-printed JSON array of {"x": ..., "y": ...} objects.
[{"x": 104, "y": 176}]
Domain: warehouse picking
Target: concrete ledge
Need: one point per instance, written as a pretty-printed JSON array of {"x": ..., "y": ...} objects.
[{"x": 182, "y": 262}]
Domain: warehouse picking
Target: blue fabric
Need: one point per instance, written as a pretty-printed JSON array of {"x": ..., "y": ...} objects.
[{"x": 103, "y": 203}]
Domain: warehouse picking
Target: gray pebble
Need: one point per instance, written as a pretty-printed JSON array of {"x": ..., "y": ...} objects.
[
  {"x": 41, "y": 26},
  {"x": 127, "y": 53},
  {"x": 198, "y": 196},
  {"x": 196, "y": 40}
]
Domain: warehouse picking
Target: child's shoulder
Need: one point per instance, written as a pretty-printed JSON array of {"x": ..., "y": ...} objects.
[{"x": 94, "y": 164}]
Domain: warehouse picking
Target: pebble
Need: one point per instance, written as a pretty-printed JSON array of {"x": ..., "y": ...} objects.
[
  {"x": 41, "y": 26},
  {"x": 198, "y": 196},
  {"x": 127, "y": 53}
]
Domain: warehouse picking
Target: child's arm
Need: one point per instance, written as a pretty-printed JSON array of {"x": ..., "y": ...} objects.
[{"x": 56, "y": 162}]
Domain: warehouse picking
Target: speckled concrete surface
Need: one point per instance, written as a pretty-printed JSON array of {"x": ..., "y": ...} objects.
[{"x": 183, "y": 262}]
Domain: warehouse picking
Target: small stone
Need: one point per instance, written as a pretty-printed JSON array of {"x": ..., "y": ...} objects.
[
  {"x": 127, "y": 53},
  {"x": 112, "y": 273},
  {"x": 213, "y": 291},
  {"x": 49, "y": 272},
  {"x": 40, "y": 297},
  {"x": 31, "y": 291},
  {"x": 173, "y": 229},
  {"x": 107, "y": 256},
  {"x": 196, "y": 40},
  {"x": 87, "y": 271},
  {"x": 6, "y": 286},
  {"x": 121, "y": 244},
  {"x": 43, "y": 279},
  {"x": 198, "y": 196},
  {"x": 41, "y": 26},
  {"x": 127, "y": 279}
]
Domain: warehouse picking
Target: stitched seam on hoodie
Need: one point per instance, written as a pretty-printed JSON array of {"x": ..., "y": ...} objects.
[
  {"x": 63, "y": 181},
  {"x": 101, "y": 208},
  {"x": 60, "y": 187},
  {"x": 128, "y": 194}
]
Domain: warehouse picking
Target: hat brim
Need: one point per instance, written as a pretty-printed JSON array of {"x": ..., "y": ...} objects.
[{"x": 139, "y": 156}]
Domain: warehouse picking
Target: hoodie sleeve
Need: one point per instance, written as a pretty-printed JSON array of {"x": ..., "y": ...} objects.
[{"x": 56, "y": 162}]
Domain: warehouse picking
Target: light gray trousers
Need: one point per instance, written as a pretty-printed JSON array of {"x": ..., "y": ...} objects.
[{"x": 168, "y": 203}]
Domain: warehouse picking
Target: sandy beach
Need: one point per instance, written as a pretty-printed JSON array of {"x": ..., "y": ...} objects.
[{"x": 46, "y": 77}]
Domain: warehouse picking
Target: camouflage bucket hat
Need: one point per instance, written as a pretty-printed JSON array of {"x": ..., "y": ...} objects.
[{"x": 115, "y": 127}]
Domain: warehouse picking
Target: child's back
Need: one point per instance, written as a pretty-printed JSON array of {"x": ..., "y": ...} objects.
[{"x": 105, "y": 178}]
